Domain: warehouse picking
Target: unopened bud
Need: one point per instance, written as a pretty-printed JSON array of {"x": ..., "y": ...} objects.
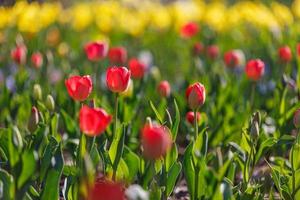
[
  {"x": 296, "y": 118},
  {"x": 37, "y": 92},
  {"x": 256, "y": 117},
  {"x": 50, "y": 104},
  {"x": 254, "y": 131},
  {"x": 33, "y": 119}
]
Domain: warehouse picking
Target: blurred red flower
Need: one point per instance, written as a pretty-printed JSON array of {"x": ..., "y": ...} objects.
[
  {"x": 189, "y": 29},
  {"x": 233, "y": 58},
  {"x": 137, "y": 68},
  {"x": 212, "y": 51},
  {"x": 156, "y": 141},
  {"x": 255, "y": 69},
  {"x": 190, "y": 117},
  {"x": 164, "y": 89},
  {"x": 285, "y": 54},
  {"x": 93, "y": 121},
  {"x": 195, "y": 95},
  {"x": 117, "y": 78},
  {"x": 79, "y": 88},
  {"x": 117, "y": 55},
  {"x": 106, "y": 190},
  {"x": 198, "y": 48},
  {"x": 37, "y": 59},
  {"x": 19, "y": 54},
  {"x": 96, "y": 51}
]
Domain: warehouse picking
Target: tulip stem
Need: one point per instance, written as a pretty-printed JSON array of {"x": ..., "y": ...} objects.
[
  {"x": 252, "y": 96},
  {"x": 116, "y": 115},
  {"x": 195, "y": 123},
  {"x": 115, "y": 129}
]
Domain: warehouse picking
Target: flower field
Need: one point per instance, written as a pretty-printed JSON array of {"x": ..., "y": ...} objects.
[{"x": 150, "y": 100}]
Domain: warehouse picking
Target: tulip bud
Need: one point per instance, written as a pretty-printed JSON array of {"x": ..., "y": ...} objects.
[
  {"x": 212, "y": 52},
  {"x": 37, "y": 59},
  {"x": 257, "y": 117},
  {"x": 195, "y": 95},
  {"x": 117, "y": 55},
  {"x": 189, "y": 29},
  {"x": 156, "y": 141},
  {"x": 37, "y": 92},
  {"x": 164, "y": 89},
  {"x": 198, "y": 48},
  {"x": 190, "y": 117},
  {"x": 79, "y": 87},
  {"x": 285, "y": 54},
  {"x": 33, "y": 119},
  {"x": 117, "y": 78},
  {"x": 255, "y": 69},
  {"x": 106, "y": 190},
  {"x": 296, "y": 119},
  {"x": 96, "y": 51},
  {"x": 254, "y": 130},
  {"x": 19, "y": 54},
  {"x": 50, "y": 103},
  {"x": 137, "y": 68}
]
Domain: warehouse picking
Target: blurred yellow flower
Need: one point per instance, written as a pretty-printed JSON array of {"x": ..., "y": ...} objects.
[{"x": 81, "y": 16}]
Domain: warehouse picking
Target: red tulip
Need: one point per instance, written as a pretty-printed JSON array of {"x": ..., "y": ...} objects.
[
  {"x": 189, "y": 29},
  {"x": 198, "y": 48},
  {"x": 296, "y": 119},
  {"x": 37, "y": 59},
  {"x": 19, "y": 54},
  {"x": 137, "y": 68},
  {"x": 195, "y": 95},
  {"x": 117, "y": 55},
  {"x": 298, "y": 49},
  {"x": 212, "y": 51},
  {"x": 234, "y": 58},
  {"x": 190, "y": 117},
  {"x": 79, "y": 88},
  {"x": 117, "y": 78},
  {"x": 106, "y": 190},
  {"x": 255, "y": 69},
  {"x": 164, "y": 89},
  {"x": 285, "y": 54},
  {"x": 93, "y": 121},
  {"x": 156, "y": 141},
  {"x": 96, "y": 51}
]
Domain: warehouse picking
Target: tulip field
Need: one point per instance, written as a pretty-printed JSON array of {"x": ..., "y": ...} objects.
[{"x": 150, "y": 100}]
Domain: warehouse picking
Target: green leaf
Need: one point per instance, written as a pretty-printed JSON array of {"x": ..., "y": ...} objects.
[
  {"x": 28, "y": 167},
  {"x": 7, "y": 144},
  {"x": 171, "y": 157},
  {"x": 51, "y": 190},
  {"x": 270, "y": 142},
  {"x": 158, "y": 116},
  {"x": 172, "y": 177},
  {"x": 46, "y": 158},
  {"x": 54, "y": 124},
  {"x": 155, "y": 191},
  {"x": 7, "y": 190},
  {"x": 132, "y": 160},
  {"x": 116, "y": 148},
  {"x": 188, "y": 170},
  {"x": 69, "y": 123},
  {"x": 175, "y": 126}
]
